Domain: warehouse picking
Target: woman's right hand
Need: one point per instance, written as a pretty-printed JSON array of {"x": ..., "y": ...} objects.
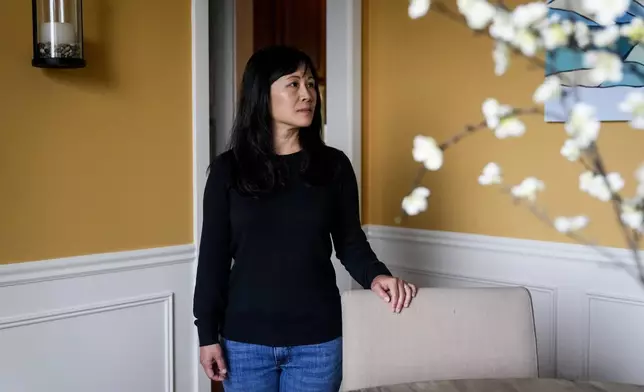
[{"x": 213, "y": 362}]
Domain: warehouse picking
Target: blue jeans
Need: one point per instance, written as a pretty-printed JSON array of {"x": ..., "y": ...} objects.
[{"x": 308, "y": 368}]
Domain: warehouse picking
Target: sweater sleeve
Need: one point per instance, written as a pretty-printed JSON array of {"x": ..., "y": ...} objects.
[
  {"x": 214, "y": 259},
  {"x": 349, "y": 240}
]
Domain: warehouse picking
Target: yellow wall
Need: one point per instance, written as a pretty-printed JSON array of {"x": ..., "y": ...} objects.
[
  {"x": 97, "y": 159},
  {"x": 430, "y": 76}
]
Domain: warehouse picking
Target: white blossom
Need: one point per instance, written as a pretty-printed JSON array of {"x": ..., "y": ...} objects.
[
  {"x": 634, "y": 30},
  {"x": 416, "y": 202},
  {"x": 478, "y": 13},
  {"x": 526, "y": 15},
  {"x": 615, "y": 181},
  {"x": 604, "y": 66},
  {"x": 549, "y": 89},
  {"x": 493, "y": 111},
  {"x": 491, "y": 174},
  {"x": 631, "y": 214},
  {"x": 605, "y": 11},
  {"x": 502, "y": 27},
  {"x": 526, "y": 41},
  {"x": 639, "y": 173},
  {"x": 582, "y": 34},
  {"x": 427, "y": 151},
  {"x": 568, "y": 224},
  {"x": 500, "y": 118},
  {"x": 606, "y": 36},
  {"x": 639, "y": 176},
  {"x": 634, "y": 104},
  {"x": 528, "y": 188},
  {"x": 582, "y": 125},
  {"x": 556, "y": 33},
  {"x": 510, "y": 127},
  {"x": 585, "y": 180},
  {"x": 418, "y": 8},
  {"x": 501, "y": 57},
  {"x": 570, "y": 150},
  {"x": 595, "y": 185}
]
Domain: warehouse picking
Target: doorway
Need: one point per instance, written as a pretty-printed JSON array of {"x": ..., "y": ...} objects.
[
  {"x": 257, "y": 24},
  {"x": 298, "y": 23}
]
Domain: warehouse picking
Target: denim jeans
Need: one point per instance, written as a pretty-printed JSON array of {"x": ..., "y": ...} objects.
[{"x": 307, "y": 368}]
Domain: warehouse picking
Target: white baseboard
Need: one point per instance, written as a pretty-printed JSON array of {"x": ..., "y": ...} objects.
[
  {"x": 117, "y": 321},
  {"x": 589, "y": 312}
]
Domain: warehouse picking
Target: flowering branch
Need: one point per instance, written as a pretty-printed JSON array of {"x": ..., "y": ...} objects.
[
  {"x": 562, "y": 226},
  {"x": 632, "y": 236},
  {"x": 446, "y": 11},
  {"x": 501, "y": 118},
  {"x": 526, "y": 30}
]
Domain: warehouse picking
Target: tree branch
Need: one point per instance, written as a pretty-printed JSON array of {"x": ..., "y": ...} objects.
[
  {"x": 457, "y": 17},
  {"x": 542, "y": 215},
  {"x": 590, "y": 159},
  {"x": 616, "y": 202},
  {"x": 467, "y": 131}
]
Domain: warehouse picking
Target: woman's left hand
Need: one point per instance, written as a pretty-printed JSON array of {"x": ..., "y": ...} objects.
[{"x": 393, "y": 290}]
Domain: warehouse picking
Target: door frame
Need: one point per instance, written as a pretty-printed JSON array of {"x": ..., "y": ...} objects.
[
  {"x": 200, "y": 149},
  {"x": 344, "y": 79},
  {"x": 343, "y": 102},
  {"x": 344, "y": 93}
]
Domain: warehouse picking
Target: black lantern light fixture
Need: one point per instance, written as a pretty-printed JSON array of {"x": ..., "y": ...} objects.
[{"x": 57, "y": 33}]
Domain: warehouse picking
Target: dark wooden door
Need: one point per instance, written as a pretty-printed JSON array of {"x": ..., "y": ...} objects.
[{"x": 299, "y": 23}]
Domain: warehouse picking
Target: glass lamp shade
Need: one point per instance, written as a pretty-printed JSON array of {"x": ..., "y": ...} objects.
[{"x": 57, "y": 33}]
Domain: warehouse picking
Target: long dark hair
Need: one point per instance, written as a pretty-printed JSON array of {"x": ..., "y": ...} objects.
[{"x": 258, "y": 169}]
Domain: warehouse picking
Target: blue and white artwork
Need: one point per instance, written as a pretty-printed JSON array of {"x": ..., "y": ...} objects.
[{"x": 604, "y": 97}]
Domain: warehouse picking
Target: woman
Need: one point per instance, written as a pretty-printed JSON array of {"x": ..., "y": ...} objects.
[{"x": 275, "y": 202}]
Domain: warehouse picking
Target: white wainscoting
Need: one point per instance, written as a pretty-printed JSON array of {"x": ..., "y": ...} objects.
[
  {"x": 589, "y": 313},
  {"x": 110, "y": 322}
]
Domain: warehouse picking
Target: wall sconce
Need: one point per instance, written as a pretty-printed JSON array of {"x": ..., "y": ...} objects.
[{"x": 57, "y": 33}]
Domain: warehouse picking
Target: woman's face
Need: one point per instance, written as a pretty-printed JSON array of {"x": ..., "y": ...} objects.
[{"x": 293, "y": 100}]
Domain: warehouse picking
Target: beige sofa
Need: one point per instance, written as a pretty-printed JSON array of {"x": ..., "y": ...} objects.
[{"x": 447, "y": 333}]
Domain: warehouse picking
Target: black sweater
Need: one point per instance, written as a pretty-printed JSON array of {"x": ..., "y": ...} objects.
[{"x": 281, "y": 289}]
